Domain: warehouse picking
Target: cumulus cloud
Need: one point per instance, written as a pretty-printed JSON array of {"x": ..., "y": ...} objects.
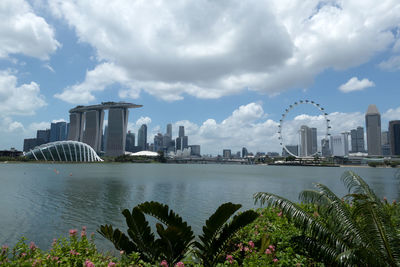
[
  {"x": 23, "y": 32},
  {"x": 354, "y": 84},
  {"x": 143, "y": 120},
  {"x": 8, "y": 125},
  {"x": 212, "y": 49},
  {"x": 24, "y": 99},
  {"x": 392, "y": 114}
]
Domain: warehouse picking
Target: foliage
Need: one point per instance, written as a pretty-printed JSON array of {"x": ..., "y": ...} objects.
[
  {"x": 176, "y": 239},
  {"x": 20, "y": 158},
  {"x": 217, "y": 232},
  {"x": 359, "y": 231},
  {"x": 74, "y": 251}
]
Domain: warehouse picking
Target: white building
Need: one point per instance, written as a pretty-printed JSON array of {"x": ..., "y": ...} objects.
[{"x": 340, "y": 145}]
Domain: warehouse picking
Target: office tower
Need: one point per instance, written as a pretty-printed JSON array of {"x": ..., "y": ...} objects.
[
  {"x": 306, "y": 141},
  {"x": 77, "y": 124},
  {"x": 178, "y": 143},
  {"x": 169, "y": 130},
  {"x": 226, "y": 153},
  {"x": 340, "y": 145},
  {"x": 158, "y": 142},
  {"x": 142, "y": 137},
  {"x": 314, "y": 144},
  {"x": 29, "y": 143},
  {"x": 244, "y": 152},
  {"x": 130, "y": 142},
  {"x": 294, "y": 149},
  {"x": 58, "y": 131},
  {"x": 94, "y": 128},
  {"x": 181, "y": 131},
  {"x": 373, "y": 126},
  {"x": 117, "y": 128},
  {"x": 357, "y": 140},
  {"x": 42, "y": 137},
  {"x": 385, "y": 143},
  {"x": 195, "y": 150},
  {"x": 394, "y": 137},
  {"x": 325, "y": 150}
]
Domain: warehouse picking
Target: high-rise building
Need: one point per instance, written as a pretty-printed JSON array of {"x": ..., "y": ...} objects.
[
  {"x": 357, "y": 140},
  {"x": 394, "y": 137},
  {"x": 340, "y": 145},
  {"x": 181, "y": 131},
  {"x": 244, "y": 152},
  {"x": 325, "y": 150},
  {"x": 29, "y": 143},
  {"x": 226, "y": 153},
  {"x": 195, "y": 150},
  {"x": 373, "y": 126},
  {"x": 130, "y": 142},
  {"x": 158, "y": 142},
  {"x": 142, "y": 137},
  {"x": 42, "y": 137},
  {"x": 58, "y": 131},
  {"x": 169, "y": 130},
  {"x": 306, "y": 141},
  {"x": 314, "y": 142},
  {"x": 385, "y": 143},
  {"x": 117, "y": 128}
]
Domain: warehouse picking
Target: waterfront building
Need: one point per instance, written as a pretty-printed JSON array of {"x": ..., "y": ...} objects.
[
  {"x": 244, "y": 152},
  {"x": 314, "y": 142},
  {"x": 226, "y": 153},
  {"x": 340, "y": 145},
  {"x": 58, "y": 131},
  {"x": 373, "y": 127},
  {"x": 357, "y": 140},
  {"x": 169, "y": 130},
  {"x": 130, "y": 142},
  {"x": 29, "y": 143},
  {"x": 394, "y": 137},
  {"x": 86, "y": 125},
  {"x": 158, "y": 142},
  {"x": 195, "y": 150},
  {"x": 294, "y": 149},
  {"x": 64, "y": 151},
  {"x": 142, "y": 137},
  {"x": 13, "y": 153},
  {"x": 42, "y": 137}
]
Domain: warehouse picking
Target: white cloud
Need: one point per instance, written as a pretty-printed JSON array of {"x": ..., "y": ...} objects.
[
  {"x": 18, "y": 100},
  {"x": 392, "y": 64},
  {"x": 392, "y": 114},
  {"x": 7, "y": 125},
  {"x": 143, "y": 120},
  {"x": 59, "y": 120},
  {"x": 23, "y": 32},
  {"x": 354, "y": 84},
  {"x": 212, "y": 49}
]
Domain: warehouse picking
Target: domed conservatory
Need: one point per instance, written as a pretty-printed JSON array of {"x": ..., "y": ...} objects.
[{"x": 65, "y": 151}]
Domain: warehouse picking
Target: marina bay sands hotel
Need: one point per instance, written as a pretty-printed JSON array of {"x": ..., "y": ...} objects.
[{"x": 86, "y": 125}]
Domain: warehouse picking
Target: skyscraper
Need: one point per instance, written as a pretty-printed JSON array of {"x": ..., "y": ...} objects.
[
  {"x": 340, "y": 145},
  {"x": 373, "y": 126},
  {"x": 158, "y": 142},
  {"x": 42, "y": 137},
  {"x": 357, "y": 140},
  {"x": 244, "y": 152},
  {"x": 117, "y": 128},
  {"x": 181, "y": 131},
  {"x": 169, "y": 129},
  {"x": 142, "y": 137},
  {"x": 58, "y": 131},
  {"x": 394, "y": 137},
  {"x": 130, "y": 142},
  {"x": 325, "y": 150},
  {"x": 306, "y": 141},
  {"x": 385, "y": 143},
  {"x": 314, "y": 144}
]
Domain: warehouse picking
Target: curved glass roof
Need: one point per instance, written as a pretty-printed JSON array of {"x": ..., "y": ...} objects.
[{"x": 65, "y": 151}]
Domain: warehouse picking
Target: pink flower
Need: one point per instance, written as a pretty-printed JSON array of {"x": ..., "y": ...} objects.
[
  {"x": 275, "y": 260},
  {"x": 164, "y": 263},
  {"x": 111, "y": 264},
  {"x": 72, "y": 232},
  {"x": 88, "y": 263},
  {"x": 246, "y": 249},
  {"x": 180, "y": 264},
  {"x": 32, "y": 246},
  {"x": 256, "y": 226},
  {"x": 268, "y": 251},
  {"x": 271, "y": 247},
  {"x": 251, "y": 244},
  {"x": 229, "y": 258},
  {"x": 280, "y": 214}
]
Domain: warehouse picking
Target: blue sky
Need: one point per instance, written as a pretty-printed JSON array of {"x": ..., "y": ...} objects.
[{"x": 226, "y": 70}]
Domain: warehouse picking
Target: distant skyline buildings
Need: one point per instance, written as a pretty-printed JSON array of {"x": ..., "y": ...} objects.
[
  {"x": 373, "y": 128},
  {"x": 394, "y": 137},
  {"x": 357, "y": 140},
  {"x": 142, "y": 137}
]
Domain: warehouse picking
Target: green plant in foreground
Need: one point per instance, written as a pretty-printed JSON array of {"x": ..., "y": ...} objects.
[
  {"x": 360, "y": 232},
  {"x": 177, "y": 238}
]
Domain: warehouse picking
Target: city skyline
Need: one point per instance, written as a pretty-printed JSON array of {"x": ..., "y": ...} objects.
[{"x": 228, "y": 90}]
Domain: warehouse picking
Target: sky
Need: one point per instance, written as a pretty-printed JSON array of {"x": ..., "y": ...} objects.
[{"x": 226, "y": 70}]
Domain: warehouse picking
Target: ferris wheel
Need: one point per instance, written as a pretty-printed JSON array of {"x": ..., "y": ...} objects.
[{"x": 284, "y": 115}]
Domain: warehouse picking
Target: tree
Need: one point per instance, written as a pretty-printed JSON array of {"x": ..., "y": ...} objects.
[{"x": 355, "y": 231}]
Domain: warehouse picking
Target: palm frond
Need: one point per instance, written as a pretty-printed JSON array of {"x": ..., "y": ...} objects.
[{"x": 119, "y": 239}]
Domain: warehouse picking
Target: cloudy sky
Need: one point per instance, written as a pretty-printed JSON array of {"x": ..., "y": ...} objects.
[{"x": 226, "y": 70}]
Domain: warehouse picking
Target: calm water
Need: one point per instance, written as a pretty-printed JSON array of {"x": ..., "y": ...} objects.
[{"x": 44, "y": 201}]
